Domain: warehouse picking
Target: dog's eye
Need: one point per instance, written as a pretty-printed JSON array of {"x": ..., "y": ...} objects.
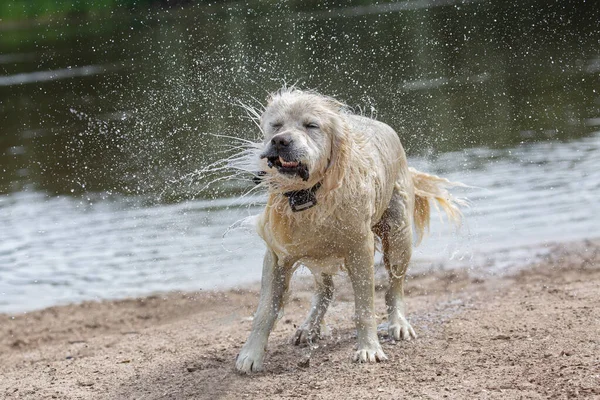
[
  {"x": 276, "y": 126},
  {"x": 312, "y": 125}
]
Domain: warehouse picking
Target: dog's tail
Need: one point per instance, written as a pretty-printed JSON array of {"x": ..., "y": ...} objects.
[{"x": 432, "y": 187}]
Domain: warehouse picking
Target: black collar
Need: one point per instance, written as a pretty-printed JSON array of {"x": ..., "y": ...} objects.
[{"x": 301, "y": 200}]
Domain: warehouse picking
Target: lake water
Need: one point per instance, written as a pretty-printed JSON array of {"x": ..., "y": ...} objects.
[{"x": 104, "y": 121}]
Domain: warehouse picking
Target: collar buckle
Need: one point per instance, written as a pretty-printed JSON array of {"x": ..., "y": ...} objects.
[{"x": 301, "y": 200}]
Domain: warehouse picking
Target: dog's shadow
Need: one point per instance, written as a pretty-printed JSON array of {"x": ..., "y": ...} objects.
[{"x": 210, "y": 373}]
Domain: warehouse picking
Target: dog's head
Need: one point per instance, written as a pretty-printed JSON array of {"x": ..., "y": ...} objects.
[{"x": 305, "y": 139}]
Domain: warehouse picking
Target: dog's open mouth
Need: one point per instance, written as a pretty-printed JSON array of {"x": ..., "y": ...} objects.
[{"x": 288, "y": 167}]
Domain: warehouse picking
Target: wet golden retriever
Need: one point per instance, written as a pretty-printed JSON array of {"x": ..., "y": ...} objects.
[{"x": 336, "y": 180}]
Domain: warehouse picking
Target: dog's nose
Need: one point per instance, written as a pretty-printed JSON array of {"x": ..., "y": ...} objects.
[{"x": 281, "y": 141}]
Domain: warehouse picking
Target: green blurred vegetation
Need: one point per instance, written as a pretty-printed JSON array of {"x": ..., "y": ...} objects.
[
  {"x": 20, "y": 10},
  {"x": 15, "y": 10}
]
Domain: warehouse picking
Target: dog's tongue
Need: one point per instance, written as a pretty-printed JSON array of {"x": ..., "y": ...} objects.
[{"x": 288, "y": 164}]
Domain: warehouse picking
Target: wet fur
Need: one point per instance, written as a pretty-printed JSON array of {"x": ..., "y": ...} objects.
[{"x": 367, "y": 190}]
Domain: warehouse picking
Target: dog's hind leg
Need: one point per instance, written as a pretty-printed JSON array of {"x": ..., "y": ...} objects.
[
  {"x": 313, "y": 326},
  {"x": 396, "y": 236}
]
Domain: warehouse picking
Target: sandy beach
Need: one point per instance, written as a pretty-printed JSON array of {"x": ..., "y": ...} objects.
[{"x": 533, "y": 334}]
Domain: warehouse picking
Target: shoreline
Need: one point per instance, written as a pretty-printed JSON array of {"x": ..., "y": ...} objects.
[
  {"x": 529, "y": 334},
  {"x": 493, "y": 262}
]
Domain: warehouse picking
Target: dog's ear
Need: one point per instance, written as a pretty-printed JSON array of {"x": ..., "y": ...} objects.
[{"x": 338, "y": 157}]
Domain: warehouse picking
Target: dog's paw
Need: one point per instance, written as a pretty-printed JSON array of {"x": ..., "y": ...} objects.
[
  {"x": 305, "y": 336},
  {"x": 249, "y": 360},
  {"x": 401, "y": 331},
  {"x": 372, "y": 353}
]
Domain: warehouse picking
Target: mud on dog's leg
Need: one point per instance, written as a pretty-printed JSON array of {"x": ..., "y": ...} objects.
[
  {"x": 275, "y": 283},
  {"x": 395, "y": 230},
  {"x": 396, "y": 257},
  {"x": 360, "y": 266},
  {"x": 311, "y": 328}
]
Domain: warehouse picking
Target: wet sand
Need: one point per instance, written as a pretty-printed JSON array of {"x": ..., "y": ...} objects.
[{"x": 534, "y": 334}]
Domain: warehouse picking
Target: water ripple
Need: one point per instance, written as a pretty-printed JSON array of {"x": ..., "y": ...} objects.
[{"x": 57, "y": 249}]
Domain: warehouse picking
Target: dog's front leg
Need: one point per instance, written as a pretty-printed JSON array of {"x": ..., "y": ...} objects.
[
  {"x": 360, "y": 266},
  {"x": 275, "y": 283}
]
